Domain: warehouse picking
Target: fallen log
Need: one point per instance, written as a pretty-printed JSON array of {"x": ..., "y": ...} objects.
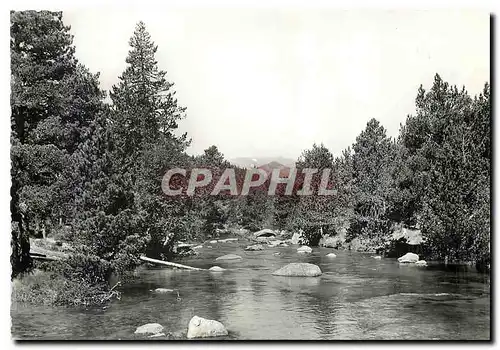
[
  {"x": 168, "y": 263},
  {"x": 47, "y": 258},
  {"x": 47, "y": 252}
]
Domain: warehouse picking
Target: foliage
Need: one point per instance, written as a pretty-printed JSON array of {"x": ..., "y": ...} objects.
[
  {"x": 51, "y": 288},
  {"x": 448, "y": 143},
  {"x": 371, "y": 164},
  {"x": 53, "y": 100}
]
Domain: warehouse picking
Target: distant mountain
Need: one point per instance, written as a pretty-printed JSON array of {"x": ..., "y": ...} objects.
[
  {"x": 271, "y": 162},
  {"x": 269, "y": 167}
]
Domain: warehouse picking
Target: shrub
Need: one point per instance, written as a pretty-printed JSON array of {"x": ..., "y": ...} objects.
[{"x": 51, "y": 288}]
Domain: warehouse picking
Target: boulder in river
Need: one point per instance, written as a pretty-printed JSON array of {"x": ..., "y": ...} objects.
[
  {"x": 408, "y": 258},
  {"x": 255, "y": 247},
  {"x": 200, "y": 327},
  {"x": 377, "y": 257},
  {"x": 198, "y": 247},
  {"x": 213, "y": 242},
  {"x": 163, "y": 290},
  {"x": 298, "y": 270},
  {"x": 304, "y": 249},
  {"x": 276, "y": 243},
  {"x": 265, "y": 233},
  {"x": 216, "y": 269},
  {"x": 229, "y": 257},
  {"x": 421, "y": 263},
  {"x": 149, "y": 328},
  {"x": 331, "y": 255}
]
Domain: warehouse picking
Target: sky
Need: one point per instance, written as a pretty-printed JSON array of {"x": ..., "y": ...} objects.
[{"x": 271, "y": 82}]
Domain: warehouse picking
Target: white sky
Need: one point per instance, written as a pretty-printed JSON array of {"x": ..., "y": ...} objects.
[{"x": 264, "y": 82}]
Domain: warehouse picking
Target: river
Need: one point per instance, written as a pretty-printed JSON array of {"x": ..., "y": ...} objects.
[{"x": 356, "y": 298}]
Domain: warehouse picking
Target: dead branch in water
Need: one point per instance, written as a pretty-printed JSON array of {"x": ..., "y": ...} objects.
[{"x": 168, "y": 263}]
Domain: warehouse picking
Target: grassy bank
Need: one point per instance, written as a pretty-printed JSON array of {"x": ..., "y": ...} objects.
[
  {"x": 53, "y": 289},
  {"x": 75, "y": 280}
]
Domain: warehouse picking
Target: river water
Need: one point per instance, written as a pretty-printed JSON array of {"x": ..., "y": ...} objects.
[{"x": 356, "y": 298}]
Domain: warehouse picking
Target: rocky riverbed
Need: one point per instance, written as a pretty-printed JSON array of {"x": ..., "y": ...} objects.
[{"x": 251, "y": 302}]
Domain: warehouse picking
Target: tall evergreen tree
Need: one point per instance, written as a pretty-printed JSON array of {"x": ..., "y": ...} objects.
[
  {"x": 314, "y": 213},
  {"x": 371, "y": 162},
  {"x": 448, "y": 143},
  {"x": 144, "y": 117},
  {"x": 53, "y": 101}
]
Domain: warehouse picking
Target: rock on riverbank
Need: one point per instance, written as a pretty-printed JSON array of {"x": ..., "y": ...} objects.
[
  {"x": 408, "y": 258},
  {"x": 200, "y": 327}
]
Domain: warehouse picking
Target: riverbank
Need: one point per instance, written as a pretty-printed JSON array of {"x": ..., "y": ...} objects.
[{"x": 50, "y": 284}]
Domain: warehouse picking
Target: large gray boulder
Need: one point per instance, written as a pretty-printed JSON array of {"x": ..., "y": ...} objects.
[
  {"x": 200, "y": 327},
  {"x": 304, "y": 249},
  {"x": 149, "y": 328},
  {"x": 265, "y": 233},
  {"x": 255, "y": 247},
  {"x": 408, "y": 258},
  {"x": 229, "y": 257},
  {"x": 299, "y": 270}
]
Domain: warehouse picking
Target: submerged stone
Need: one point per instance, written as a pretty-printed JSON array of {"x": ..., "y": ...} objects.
[
  {"x": 163, "y": 290},
  {"x": 254, "y": 247},
  {"x": 149, "y": 328},
  {"x": 229, "y": 257},
  {"x": 216, "y": 269},
  {"x": 299, "y": 270}
]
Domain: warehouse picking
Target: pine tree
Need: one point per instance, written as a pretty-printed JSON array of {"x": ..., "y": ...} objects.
[
  {"x": 144, "y": 105},
  {"x": 314, "y": 213},
  {"x": 371, "y": 164},
  {"x": 449, "y": 151},
  {"x": 53, "y": 101},
  {"x": 145, "y": 116}
]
